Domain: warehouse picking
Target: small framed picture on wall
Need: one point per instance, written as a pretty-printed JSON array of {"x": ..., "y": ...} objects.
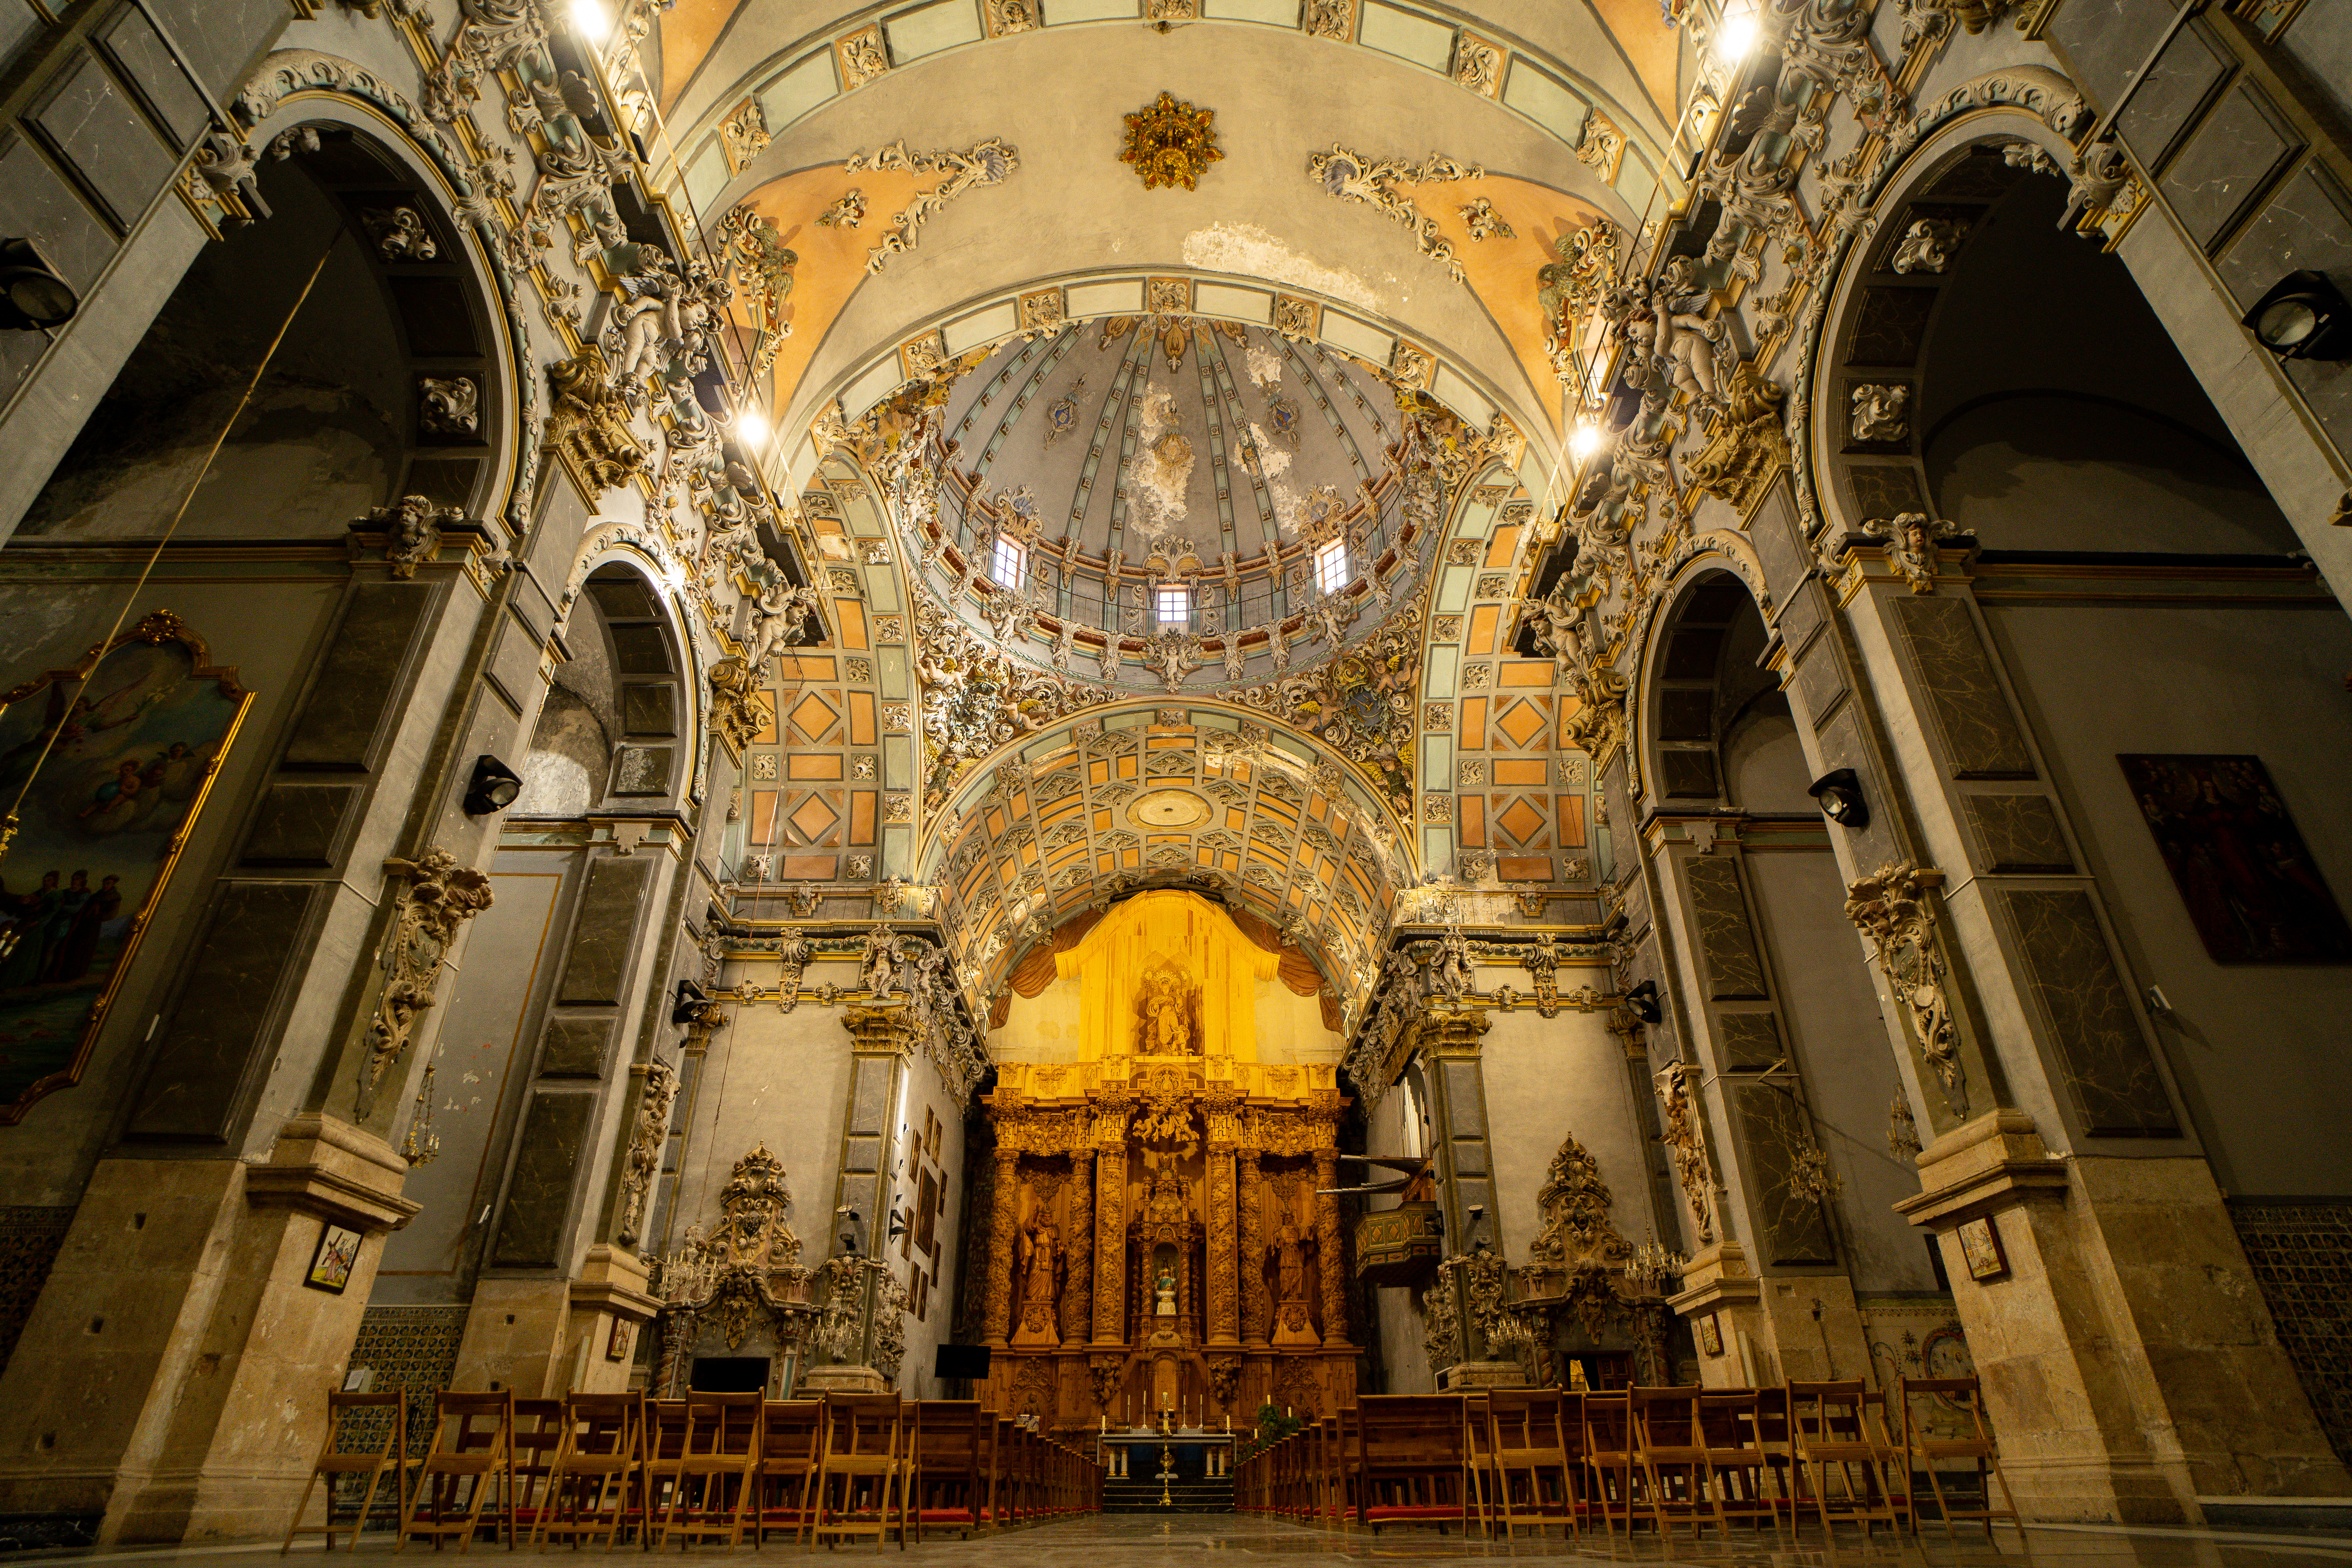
[
  {"x": 1980, "y": 1249},
  {"x": 617, "y": 1344},
  {"x": 1710, "y": 1334},
  {"x": 331, "y": 1264}
]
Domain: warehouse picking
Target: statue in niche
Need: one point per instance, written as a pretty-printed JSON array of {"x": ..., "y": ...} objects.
[
  {"x": 1168, "y": 1013},
  {"x": 1292, "y": 1246},
  {"x": 1164, "y": 1295},
  {"x": 1040, "y": 1279}
]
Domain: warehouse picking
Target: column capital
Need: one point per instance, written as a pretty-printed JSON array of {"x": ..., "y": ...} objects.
[{"x": 1993, "y": 1162}]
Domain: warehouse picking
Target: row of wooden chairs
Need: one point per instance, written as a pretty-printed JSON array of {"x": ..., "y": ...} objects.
[
  {"x": 1505, "y": 1459},
  {"x": 709, "y": 1468}
]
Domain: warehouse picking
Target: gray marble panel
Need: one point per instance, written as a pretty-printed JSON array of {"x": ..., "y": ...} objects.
[
  {"x": 1842, "y": 747},
  {"x": 514, "y": 664},
  {"x": 1803, "y": 612},
  {"x": 1727, "y": 942},
  {"x": 299, "y": 824},
  {"x": 2105, "y": 40},
  {"x": 90, "y": 122},
  {"x": 1773, "y": 1130},
  {"x": 1820, "y": 681},
  {"x": 1750, "y": 1042},
  {"x": 2169, "y": 93},
  {"x": 1882, "y": 489},
  {"x": 1462, "y": 1083},
  {"x": 39, "y": 206},
  {"x": 575, "y": 1047},
  {"x": 151, "y": 67},
  {"x": 2319, "y": 39},
  {"x": 222, "y": 1022},
  {"x": 2229, "y": 157},
  {"x": 649, "y": 709},
  {"x": 222, "y": 39},
  {"x": 2110, "y": 1073},
  {"x": 2017, "y": 833},
  {"x": 1684, "y": 713},
  {"x": 1778, "y": 543},
  {"x": 1891, "y": 325},
  {"x": 602, "y": 936},
  {"x": 547, "y": 1162},
  {"x": 1688, "y": 775},
  {"x": 640, "y": 771},
  {"x": 2307, "y": 224},
  {"x": 640, "y": 650},
  {"x": 363, "y": 665},
  {"x": 870, "y": 1094},
  {"x": 1965, "y": 702}
]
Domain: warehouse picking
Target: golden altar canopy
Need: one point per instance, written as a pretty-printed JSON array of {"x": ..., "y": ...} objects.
[{"x": 1167, "y": 973}]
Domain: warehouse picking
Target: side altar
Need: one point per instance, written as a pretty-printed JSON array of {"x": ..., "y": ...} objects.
[{"x": 1161, "y": 1241}]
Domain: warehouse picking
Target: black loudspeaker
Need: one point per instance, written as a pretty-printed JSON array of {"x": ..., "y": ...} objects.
[{"x": 961, "y": 1362}]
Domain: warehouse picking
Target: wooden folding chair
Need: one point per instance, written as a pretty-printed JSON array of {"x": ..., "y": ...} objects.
[
  {"x": 1608, "y": 1457},
  {"x": 1732, "y": 1430},
  {"x": 861, "y": 1468},
  {"x": 1922, "y": 1448},
  {"x": 472, "y": 1453},
  {"x": 665, "y": 1450},
  {"x": 340, "y": 1455},
  {"x": 1528, "y": 1435},
  {"x": 1828, "y": 1435},
  {"x": 598, "y": 1468},
  {"x": 1670, "y": 1445},
  {"x": 1479, "y": 1478},
  {"x": 539, "y": 1434},
  {"x": 949, "y": 1452},
  {"x": 787, "y": 1469},
  {"x": 714, "y": 1476}
]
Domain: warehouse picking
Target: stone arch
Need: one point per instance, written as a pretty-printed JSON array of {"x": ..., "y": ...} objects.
[
  {"x": 620, "y": 727},
  {"x": 1714, "y": 729},
  {"x": 389, "y": 378}
]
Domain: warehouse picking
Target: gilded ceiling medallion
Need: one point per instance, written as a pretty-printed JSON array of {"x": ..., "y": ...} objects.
[
  {"x": 1168, "y": 808},
  {"x": 1171, "y": 144}
]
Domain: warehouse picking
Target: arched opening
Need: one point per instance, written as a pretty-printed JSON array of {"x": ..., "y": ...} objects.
[
  {"x": 613, "y": 726},
  {"x": 381, "y": 387},
  {"x": 1777, "y": 992},
  {"x": 2077, "y": 426}
]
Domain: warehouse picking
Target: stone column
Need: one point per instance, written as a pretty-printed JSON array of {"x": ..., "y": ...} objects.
[
  {"x": 1000, "y": 1245},
  {"x": 1255, "y": 1305},
  {"x": 1330, "y": 1256},
  {"x": 1077, "y": 1295}
]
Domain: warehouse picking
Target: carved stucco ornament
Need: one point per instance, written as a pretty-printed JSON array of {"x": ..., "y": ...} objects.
[
  {"x": 1687, "y": 1143},
  {"x": 645, "y": 1140},
  {"x": 1893, "y": 910},
  {"x": 437, "y": 898},
  {"x": 747, "y": 1268},
  {"x": 983, "y": 163},
  {"x": 1911, "y": 541},
  {"x": 1749, "y": 445},
  {"x": 1353, "y": 177},
  {"x": 589, "y": 425},
  {"x": 735, "y": 711},
  {"x": 1879, "y": 411},
  {"x": 1171, "y": 142}
]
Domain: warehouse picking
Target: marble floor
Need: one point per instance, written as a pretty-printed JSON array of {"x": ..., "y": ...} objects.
[{"x": 1140, "y": 1538}]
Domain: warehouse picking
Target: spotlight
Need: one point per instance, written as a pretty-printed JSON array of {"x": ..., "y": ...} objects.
[
  {"x": 2303, "y": 316},
  {"x": 1643, "y": 1000},
  {"x": 689, "y": 1003},
  {"x": 32, "y": 296},
  {"x": 751, "y": 429},
  {"x": 1585, "y": 441},
  {"x": 1840, "y": 793},
  {"x": 492, "y": 788},
  {"x": 852, "y": 1231},
  {"x": 1736, "y": 39},
  {"x": 591, "y": 20}
]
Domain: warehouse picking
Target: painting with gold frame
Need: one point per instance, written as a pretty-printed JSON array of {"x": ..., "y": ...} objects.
[{"x": 112, "y": 760}]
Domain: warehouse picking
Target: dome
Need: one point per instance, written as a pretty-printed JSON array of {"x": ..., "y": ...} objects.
[{"x": 1170, "y": 503}]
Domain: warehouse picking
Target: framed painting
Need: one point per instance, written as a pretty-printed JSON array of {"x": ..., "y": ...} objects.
[
  {"x": 2254, "y": 893},
  {"x": 1710, "y": 1334},
  {"x": 1981, "y": 1248},
  {"x": 108, "y": 764},
  {"x": 330, "y": 1265}
]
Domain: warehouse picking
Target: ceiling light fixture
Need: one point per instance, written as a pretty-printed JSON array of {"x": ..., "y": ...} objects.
[
  {"x": 751, "y": 429},
  {"x": 591, "y": 20},
  {"x": 1737, "y": 36},
  {"x": 1585, "y": 441}
]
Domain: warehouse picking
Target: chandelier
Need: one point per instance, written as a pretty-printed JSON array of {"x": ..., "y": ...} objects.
[{"x": 1651, "y": 1266}]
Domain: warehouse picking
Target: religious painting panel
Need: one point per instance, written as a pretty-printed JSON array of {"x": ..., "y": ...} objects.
[
  {"x": 106, "y": 766},
  {"x": 2254, "y": 891}
]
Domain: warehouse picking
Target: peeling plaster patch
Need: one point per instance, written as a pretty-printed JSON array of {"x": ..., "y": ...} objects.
[
  {"x": 1265, "y": 371},
  {"x": 1251, "y": 252}
]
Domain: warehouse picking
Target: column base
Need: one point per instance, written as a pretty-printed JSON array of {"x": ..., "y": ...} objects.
[{"x": 841, "y": 1379}]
